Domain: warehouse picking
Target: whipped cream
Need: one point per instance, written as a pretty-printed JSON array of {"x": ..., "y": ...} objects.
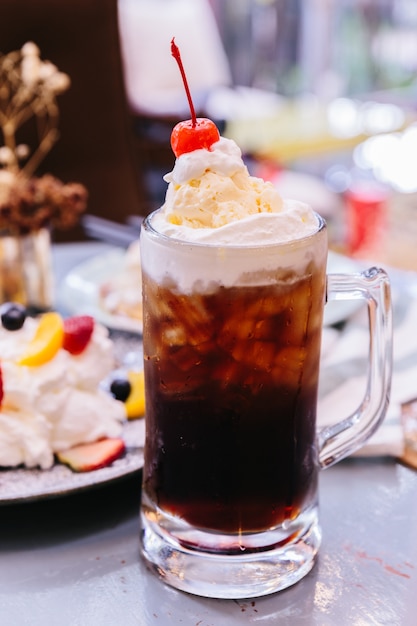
[
  {"x": 121, "y": 294},
  {"x": 211, "y": 198},
  {"x": 54, "y": 406}
]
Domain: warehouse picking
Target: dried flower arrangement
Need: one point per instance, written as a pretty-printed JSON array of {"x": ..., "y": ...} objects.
[{"x": 28, "y": 89}]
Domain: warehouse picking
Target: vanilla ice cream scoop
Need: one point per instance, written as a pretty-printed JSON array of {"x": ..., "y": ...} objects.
[
  {"x": 212, "y": 198},
  {"x": 211, "y": 188}
]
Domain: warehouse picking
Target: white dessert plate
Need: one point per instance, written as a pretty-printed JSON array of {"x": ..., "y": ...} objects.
[
  {"x": 79, "y": 293},
  {"x": 21, "y": 485}
]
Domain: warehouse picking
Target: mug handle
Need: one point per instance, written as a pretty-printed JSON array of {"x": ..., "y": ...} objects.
[{"x": 339, "y": 440}]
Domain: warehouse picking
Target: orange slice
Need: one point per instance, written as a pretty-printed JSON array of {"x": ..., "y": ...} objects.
[
  {"x": 46, "y": 342},
  {"x": 135, "y": 403}
]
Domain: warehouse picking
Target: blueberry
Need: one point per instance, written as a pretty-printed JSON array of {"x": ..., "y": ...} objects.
[
  {"x": 12, "y": 315},
  {"x": 120, "y": 388}
]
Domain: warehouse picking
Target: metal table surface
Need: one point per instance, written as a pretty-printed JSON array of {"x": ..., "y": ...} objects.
[{"x": 74, "y": 560}]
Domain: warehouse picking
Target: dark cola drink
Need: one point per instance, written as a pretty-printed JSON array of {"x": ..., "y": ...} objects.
[
  {"x": 231, "y": 338},
  {"x": 231, "y": 381}
]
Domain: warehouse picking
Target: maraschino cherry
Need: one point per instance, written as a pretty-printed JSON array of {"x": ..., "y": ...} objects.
[{"x": 196, "y": 133}]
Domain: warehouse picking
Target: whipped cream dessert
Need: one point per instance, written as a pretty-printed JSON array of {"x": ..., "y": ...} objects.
[
  {"x": 121, "y": 295},
  {"x": 51, "y": 407},
  {"x": 212, "y": 199}
]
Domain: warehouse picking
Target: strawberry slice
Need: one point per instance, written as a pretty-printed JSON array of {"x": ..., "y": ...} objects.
[
  {"x": 77, "y": 333},
  {"x": 92, "y": 456}
]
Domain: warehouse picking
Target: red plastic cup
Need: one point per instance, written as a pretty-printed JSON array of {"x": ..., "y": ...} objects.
[{"x": 366, "y": 220}]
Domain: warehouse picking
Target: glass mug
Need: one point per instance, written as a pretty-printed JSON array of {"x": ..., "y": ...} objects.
[{"x": 231, "y": 341}]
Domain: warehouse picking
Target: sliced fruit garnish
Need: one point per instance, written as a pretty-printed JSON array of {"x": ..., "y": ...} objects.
[
  {"x": 188, "y": 136},
  {"x": 77, "y": 333},
  {"x": 92, "y": 456},
  {"x": 196, "y": 133},
  {"x": 135, "y": 403},
  {"x": 46, "y": 342}
]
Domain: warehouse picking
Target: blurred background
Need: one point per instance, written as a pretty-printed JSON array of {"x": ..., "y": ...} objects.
[{"x": 321, "y": 96}]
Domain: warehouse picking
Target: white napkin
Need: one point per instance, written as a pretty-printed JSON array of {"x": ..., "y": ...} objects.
[
  {"x": 343, "y": 377},
  {"x": 388, "y": 440}
]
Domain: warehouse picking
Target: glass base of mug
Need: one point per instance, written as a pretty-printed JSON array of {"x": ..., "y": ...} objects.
[{"x": 229, "y": 566}]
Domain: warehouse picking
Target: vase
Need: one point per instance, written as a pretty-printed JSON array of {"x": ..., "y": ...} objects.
[{"x": 26, "y": 271}]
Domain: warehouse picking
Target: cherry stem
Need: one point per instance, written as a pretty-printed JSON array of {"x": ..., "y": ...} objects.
[{"x": 175, "y": 51}]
